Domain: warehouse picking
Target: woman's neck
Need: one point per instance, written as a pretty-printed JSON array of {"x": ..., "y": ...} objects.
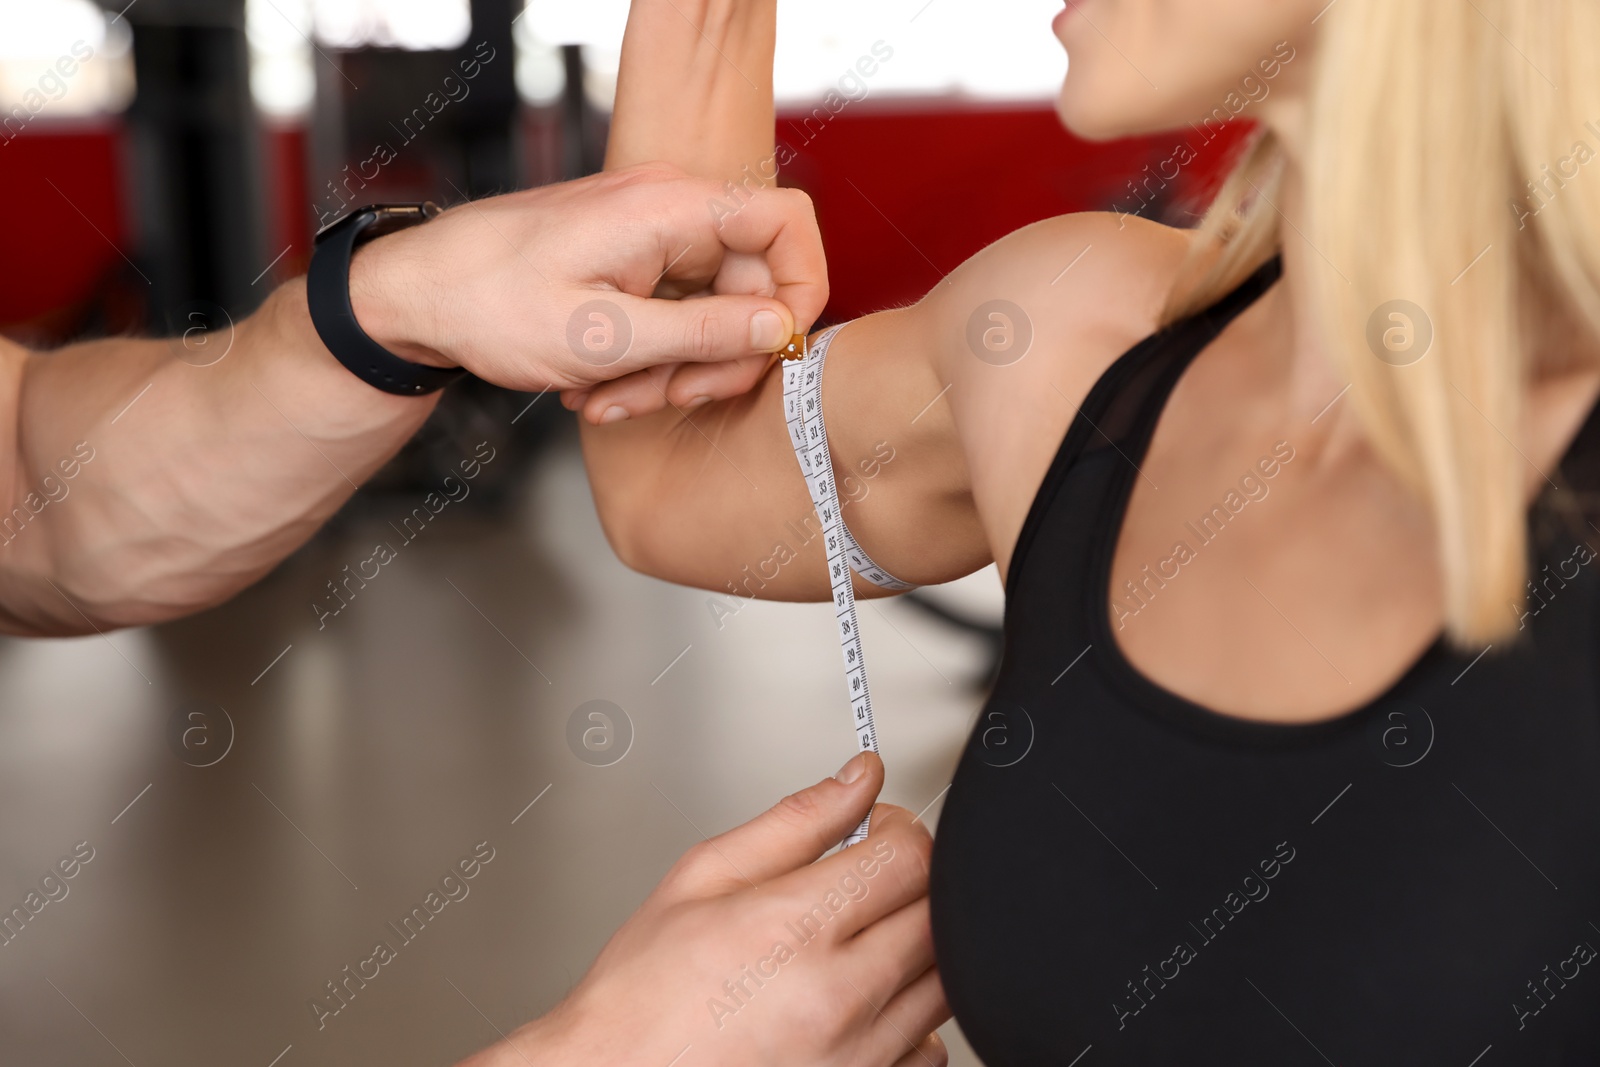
[{"x": 1312, "y": 382}]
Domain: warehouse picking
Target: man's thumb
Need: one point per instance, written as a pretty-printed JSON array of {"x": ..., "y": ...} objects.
[
  {"x": 794, "y": 832},
  {"x": 706, "y": 329}
]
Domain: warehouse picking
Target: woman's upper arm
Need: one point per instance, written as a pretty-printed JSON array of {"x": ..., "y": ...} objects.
[
  {"x": 1024, "y": 329},
  {"x": 715, "y": 498}
]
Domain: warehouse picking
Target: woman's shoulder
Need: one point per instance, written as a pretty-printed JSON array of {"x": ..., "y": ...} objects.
[
  {"x": 1024, "y": 329},
  {"x": 1074, "y": 290},
  {"x": 1124, "y": 242}
]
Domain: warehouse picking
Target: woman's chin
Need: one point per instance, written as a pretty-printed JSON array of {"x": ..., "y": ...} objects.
[
  {"x": 1087, "y": 116},
  {"x": 1089, "y": 123}
]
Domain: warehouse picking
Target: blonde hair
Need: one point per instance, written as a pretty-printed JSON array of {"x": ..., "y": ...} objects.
[{"x": 1439, "y": 142}]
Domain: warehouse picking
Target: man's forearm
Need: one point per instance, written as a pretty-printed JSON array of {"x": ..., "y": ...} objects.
[
  {"x": 140, "y": 480},
  {"x": 695, "y": 88},
  {"x": 147, "y": 486}
]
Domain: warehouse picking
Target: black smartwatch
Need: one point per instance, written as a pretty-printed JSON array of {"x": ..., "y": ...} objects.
[{"x": 328, "y": 295}]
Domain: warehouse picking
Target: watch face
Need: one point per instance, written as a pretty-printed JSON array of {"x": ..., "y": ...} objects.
[{"x": 382, "y": 219}]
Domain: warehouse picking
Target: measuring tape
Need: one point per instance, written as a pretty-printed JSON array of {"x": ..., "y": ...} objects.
[{"x": 802, "y": 407}]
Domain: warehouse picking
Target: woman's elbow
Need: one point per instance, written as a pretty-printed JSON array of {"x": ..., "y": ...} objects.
[{"x": 625, "y": 523}]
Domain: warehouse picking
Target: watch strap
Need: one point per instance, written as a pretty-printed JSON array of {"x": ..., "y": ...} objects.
[{"x": 328, "y": 297}]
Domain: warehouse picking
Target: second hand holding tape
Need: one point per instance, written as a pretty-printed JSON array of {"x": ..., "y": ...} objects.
[{"x": 802, "y": 406}]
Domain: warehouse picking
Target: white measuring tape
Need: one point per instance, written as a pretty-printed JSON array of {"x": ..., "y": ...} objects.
[{"x": 802, "y": 407}]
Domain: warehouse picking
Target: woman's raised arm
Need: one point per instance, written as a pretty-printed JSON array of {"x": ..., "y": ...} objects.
[{"x": 695, "y": 88}]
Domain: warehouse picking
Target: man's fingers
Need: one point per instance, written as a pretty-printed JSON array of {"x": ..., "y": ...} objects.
[
  {"x": 631, "y": 396},
  {"x": 782, "y": 224},
  {"x": 743, "y": 274},
  {"x": 693, "y": 384},
  {"x": 635, "y": 395},
  {"x": 697, "y": 219},
  {"x": 892, "y": 951},
  {"x": 758, "y": 259},
  {"x": 893, "y": 863},
  {"x": 685, "y": 386},
  {"x": 898, "y": 1030},
  {"x": 921, "y": 1007},
  {"x": 930, "y": 1052},
  {"x": 788, "y": 836}
]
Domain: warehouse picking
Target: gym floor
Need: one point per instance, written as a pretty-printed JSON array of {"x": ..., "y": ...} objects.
[{"x": 263, "y": 796}]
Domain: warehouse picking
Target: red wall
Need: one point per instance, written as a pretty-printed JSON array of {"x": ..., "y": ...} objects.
[
  {"x": 51, "y": 255},
  {"x": 904, "y": 195}
]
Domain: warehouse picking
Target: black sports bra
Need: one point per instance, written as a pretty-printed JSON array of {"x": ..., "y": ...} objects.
[{"x": 1124, "y": 877}]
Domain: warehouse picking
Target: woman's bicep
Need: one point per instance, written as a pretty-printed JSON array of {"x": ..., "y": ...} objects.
[{"x": 904, "y": 486}]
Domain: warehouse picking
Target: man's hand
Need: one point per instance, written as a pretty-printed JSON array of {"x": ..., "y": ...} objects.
[
  {"x": 752, "y": 953},
  {"x": 208, "y": 472},
  {"x": 549, "y": 288}
]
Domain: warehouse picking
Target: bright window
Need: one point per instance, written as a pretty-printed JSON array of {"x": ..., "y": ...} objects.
[
  {"x": 284, "y": 35},
  {"x": 413, "y": 24},
  {"x": 941, "y": 48},
  {"x": 62, "y": 59}
]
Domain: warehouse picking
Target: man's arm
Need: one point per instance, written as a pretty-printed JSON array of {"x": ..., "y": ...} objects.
[
  {"x": 137, "y": 486},
  {"x": 144, "y": 487}
]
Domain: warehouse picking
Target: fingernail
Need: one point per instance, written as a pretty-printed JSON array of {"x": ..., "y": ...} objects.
[
  {"x": 699, "y": 401},
  {"x": 853, "y": 769},
  {"x": 614, "y": 414},
  {"x": 767, "y": 332}
]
